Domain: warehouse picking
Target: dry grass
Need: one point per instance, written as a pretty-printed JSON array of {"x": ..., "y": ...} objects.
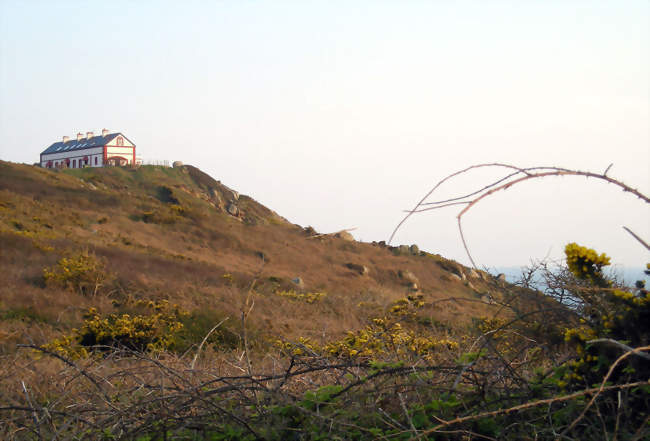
[{"x": 45, "y": 214}]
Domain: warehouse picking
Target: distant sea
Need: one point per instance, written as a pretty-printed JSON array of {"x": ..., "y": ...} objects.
[{"x": 629, "y": 274}]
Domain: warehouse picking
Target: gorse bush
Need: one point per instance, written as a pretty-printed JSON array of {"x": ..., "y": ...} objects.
[
  {"x": 307, "y": 297},
  {"x": 81, "y": 271},
  {"x": 157, "y": 329},
  {"x": 395, "y": 335},
  {"x": 612, "y": 320}
]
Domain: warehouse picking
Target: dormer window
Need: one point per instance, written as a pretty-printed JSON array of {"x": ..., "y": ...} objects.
[{"x": 120, "y": 140}]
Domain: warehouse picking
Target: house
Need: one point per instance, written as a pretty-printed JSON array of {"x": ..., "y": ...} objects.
[{"x": 90, "y": 151}]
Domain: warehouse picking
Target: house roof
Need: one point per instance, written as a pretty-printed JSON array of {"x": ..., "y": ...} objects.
[{"x": 83, "y": 143}]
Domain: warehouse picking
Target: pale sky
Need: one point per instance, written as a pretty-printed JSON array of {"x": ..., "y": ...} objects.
[{"x": 342, "y": 114}]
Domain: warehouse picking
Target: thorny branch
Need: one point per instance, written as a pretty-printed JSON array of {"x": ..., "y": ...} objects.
[{"x": 515, "y": 175}]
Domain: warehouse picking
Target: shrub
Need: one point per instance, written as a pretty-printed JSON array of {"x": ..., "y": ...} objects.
[
  {"x": 81, "y": 271},
  {"x": 156, "y": 329}
]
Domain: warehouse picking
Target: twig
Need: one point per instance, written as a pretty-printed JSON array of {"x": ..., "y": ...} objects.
[
  {"x": 619, "y": 345},
  {"x": 516, "y": 175},
  {"x": 637, "y": 238},
  {"x": 34, "y": 415},
  {"x": 204, "y": 340}
]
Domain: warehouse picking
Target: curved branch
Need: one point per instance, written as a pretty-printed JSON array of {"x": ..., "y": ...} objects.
[{"x": 516, "y": 175}]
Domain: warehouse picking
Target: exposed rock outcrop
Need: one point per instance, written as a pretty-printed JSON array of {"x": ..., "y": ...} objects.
[
  {"x": 408, "y": 277},
  {"x": 345, "y": 236},
  {"x": 361, "y": 269}
]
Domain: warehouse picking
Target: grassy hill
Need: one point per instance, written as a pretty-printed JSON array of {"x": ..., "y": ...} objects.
[
  {"x": 165, "y": 233},
  {"x": 156, "y": 303}
]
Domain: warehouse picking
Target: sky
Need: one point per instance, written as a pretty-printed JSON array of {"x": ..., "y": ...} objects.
[{"x": 341, "y": 115}]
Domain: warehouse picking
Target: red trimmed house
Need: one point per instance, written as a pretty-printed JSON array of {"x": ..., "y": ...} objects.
[{"x": 90, "y": 151}]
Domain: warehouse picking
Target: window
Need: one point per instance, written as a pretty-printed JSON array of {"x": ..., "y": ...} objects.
[
  {"x": 120, "y": 140},
  {"x": 95, "y": 160},
  {"x": 74, "y": 163}
]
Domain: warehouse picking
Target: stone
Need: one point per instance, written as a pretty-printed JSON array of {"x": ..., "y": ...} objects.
[
  {"x": 413, "y": 286},
  {"x": 262, "y": 255},
  {"x": 473, "y": 274},
  {"x": 408, "y": 276},
  {"x": 216, "y": 199},
  {"x": 361, "y": 269},
  {"x": 233, "y": 194},
  {"x": 177, "y": 164},
  {"x": 233, "y": 209},
  {"x": 298, "y": 282},
  {"x": 345, "y": 236},
  {"x": 454, "y": 276},
  {"x": 403, "y": 250},
  {"x": 501, "y": 278},
  {"x": 414, "y": 249}
]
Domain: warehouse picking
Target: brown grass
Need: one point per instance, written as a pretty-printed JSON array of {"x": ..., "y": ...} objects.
[{"x": 185, "y": 262}]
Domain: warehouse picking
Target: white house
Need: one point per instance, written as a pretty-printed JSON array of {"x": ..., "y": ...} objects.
[{"x": 90, "y": 151}]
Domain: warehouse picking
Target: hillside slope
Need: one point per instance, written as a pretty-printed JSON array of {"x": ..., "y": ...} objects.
[{"x": 180, "y": 235}]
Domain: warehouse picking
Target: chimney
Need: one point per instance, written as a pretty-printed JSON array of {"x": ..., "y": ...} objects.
[
  {"x": 89, "y": 135},
  {"x": 104, "y": 132},
  {"x": 65, "y": 139},
  {"x": 80, "y": 136}
]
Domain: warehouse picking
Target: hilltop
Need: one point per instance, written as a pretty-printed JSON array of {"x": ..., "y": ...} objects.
[{"x": 178, "y": 234}]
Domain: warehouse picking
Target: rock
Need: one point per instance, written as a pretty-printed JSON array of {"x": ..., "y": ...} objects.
[
  {"x": 455, "y": 276},
  {"x": 233, "y": 194},
  {"x": 345, "y": 236},
  {"x": 233, "y": 209},
  {"x": 403, "y": 250},
  {"x": 408, "y": 276},
  {"x": 361, "y": 269},
  {"x": 415, "y": 250},
  {"x": 177, "y": 164},
  {"x": 298, "y": 282},
  {"x": 501, "y": 278},
  {"x": 216, "y": 199},
  {"x": 473, "y": 274},
  {"x": 413, "y": 286}
]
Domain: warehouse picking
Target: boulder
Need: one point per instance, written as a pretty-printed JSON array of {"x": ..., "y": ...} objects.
[
  {"x": 403, "y": 250},
  {"x": 298, "y": 282},
  {"x": 473, "y": 274},
  {"x": 361, "y": 269},
  {"x": 177, "y": 164},
  {"x": 232, "y": 209},
  {"x": 408, "y": 277},
  {"x": 216, "y": 199},
  {"x": 415, "y": 250},
  {"x": 233, "y": 194},
  {"x": 456, "y": 277},
  {"x": 345, "y": 236}
]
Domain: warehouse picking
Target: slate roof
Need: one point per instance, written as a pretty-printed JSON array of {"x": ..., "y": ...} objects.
[{"x": 73, "y": 144}]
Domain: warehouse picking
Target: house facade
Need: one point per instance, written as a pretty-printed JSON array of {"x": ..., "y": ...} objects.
[{"x": 90, "y": 151}]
